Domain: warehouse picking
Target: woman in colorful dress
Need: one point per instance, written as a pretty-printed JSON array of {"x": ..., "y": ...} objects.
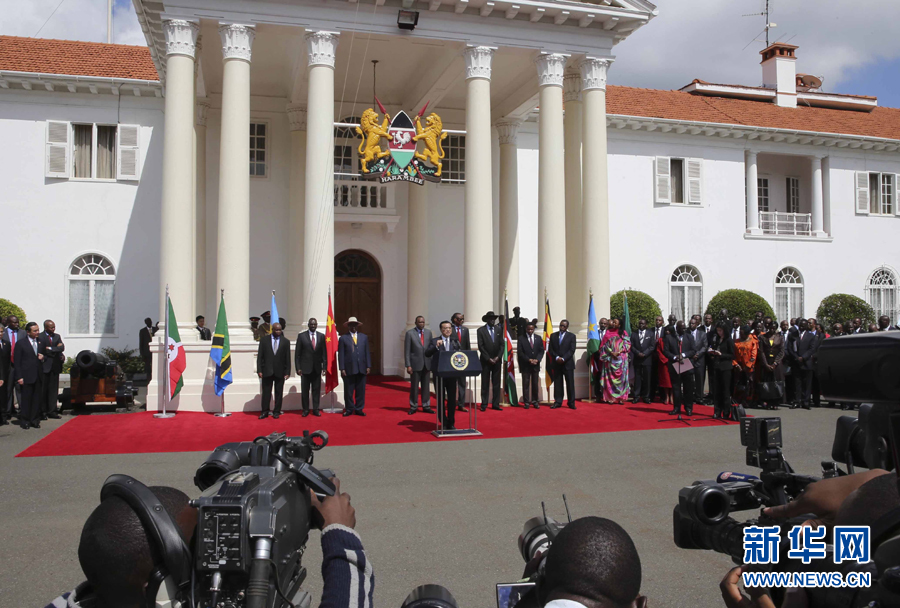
[
  {"x": 745, "y": 351},
  {"x": 614, "y": 354},
  {"x": 664, "y": 381}
]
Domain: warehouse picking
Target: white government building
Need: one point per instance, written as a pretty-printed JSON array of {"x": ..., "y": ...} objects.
[{"x": 126, "y": 169}]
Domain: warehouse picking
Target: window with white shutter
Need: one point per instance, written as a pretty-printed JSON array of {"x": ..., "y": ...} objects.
[
  {"x": 56, "y": 163},
  {"x": 663, "y": 181},
  {"x": 695, "y": 181},
  {"x": 862, "y": 192},
  {"x": 128, "y": 165}
]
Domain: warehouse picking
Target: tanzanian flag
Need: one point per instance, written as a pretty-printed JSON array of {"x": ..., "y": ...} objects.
[
  {"x": 221, "y": 351},
  {"x": 593, "y": 338},
  {"x": 509, "y": 361}
]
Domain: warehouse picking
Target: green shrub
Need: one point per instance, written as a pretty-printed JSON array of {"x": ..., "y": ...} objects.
[
  {"x": 127, "y": 360},
  {"x": 8, "y": 308},
  {"x": 640, "y": 306},
  {"x": 840, "y": 307},
  {"x": 67, "y": 366},
  {"x": 739, "y": 302}
]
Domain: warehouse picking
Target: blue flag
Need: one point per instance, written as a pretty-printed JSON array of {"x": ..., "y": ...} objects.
[
  {"x": 221, "y": 351},
  {"x": 273, "y": 312}
]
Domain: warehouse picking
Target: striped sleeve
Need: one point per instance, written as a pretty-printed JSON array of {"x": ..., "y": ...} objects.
[{"x": 349, "y": 581}]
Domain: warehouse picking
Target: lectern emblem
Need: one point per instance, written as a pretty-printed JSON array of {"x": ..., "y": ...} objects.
[{"x": 459, "y": 361}]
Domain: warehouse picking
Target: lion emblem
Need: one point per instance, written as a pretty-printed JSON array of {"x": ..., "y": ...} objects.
[
  {"x": 433, "y": 134},
  {"x": 371, "y": 133}
]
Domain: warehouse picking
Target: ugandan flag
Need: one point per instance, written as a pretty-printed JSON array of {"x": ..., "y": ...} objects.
[
  {"x": 221, "y": 351},
  {"x": 548, "y": 329}
]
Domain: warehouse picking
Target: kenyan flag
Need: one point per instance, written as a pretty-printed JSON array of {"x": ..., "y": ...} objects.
[{"x": 174, "y": 352}]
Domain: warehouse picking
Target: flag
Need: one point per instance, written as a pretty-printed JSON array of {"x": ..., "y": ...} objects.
[
  {"x": 509, "y": 362},
  {"x": 625, "y": 314},
  {"x": 331, "y": 347},
  {"x": 175, "y": 358},
  {"x": 593, "y": 339},
  {"x": 221, "y": 351},
  {"x": 273, "y": 313},
  {"x": 548, "y": 329}
]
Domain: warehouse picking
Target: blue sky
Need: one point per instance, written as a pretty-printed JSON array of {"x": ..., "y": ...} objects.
[{"x": 854, "y": 46}]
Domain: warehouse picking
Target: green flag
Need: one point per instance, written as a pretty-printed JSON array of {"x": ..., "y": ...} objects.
[
  {"x": 221, "y": 351},
  {"x": 626, "y": 315}
]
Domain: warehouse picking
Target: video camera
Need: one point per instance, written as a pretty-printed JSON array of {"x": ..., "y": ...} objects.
[{"x": 254, "y": 517}]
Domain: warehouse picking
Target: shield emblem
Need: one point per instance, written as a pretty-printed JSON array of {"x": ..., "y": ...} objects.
[{"x": 402, "y": 146}]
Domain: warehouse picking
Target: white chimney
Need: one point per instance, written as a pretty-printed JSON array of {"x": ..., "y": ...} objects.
[{"x": 780, "y": 73}]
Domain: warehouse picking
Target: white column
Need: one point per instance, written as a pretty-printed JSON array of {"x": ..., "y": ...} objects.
[
  {"x": 552, "y": 184},
  {"x": 296, "y": 215},
  {"x": 176, "y": 243},
  {"x": 318, "y": 239},
  {"x": 509, "y": 210},
  {"x": 577, "y": 310},
  {"x": 817, "y": 199},
  {"x": 595, "y": 194},
  {"x": 417, "y": 254},
  {"x": 826, "y": 195},
  {"x": 751, "y": 165},
  {"x": 200, "y": 209},
  {"x": 233, "y": 247},
  {"x": 478, "y": 277}
]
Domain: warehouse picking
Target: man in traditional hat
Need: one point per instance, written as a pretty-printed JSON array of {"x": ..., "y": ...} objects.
[
  {"x": 355, "y": 362},
  {"x": 490, "y": 345}
]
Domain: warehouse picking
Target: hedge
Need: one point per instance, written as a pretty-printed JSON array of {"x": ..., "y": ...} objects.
[
  {"x": 8, "y": 308},
  {"x": 842, "y": 307},
  {"x": 640, "y": 306},
  {"x": 739, "y": 302}
]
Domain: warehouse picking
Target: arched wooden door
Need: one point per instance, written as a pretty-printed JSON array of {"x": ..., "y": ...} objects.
[{"x": 357, "y": 287}]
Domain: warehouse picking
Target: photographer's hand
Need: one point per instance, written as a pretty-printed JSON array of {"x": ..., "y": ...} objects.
[
  {"x": 733, "y": 596},
  {"x": 823, "y": 498},
  {"x": 334, "y": 509}
]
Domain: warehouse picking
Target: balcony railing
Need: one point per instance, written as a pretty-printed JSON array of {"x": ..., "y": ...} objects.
[{"x": 789, "y": 224}]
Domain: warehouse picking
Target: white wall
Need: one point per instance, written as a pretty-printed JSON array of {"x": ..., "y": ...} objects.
[{"x": 51, "y": 222}]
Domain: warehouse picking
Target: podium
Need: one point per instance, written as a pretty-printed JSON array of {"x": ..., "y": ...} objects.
[{"x": 453, "y": 365}]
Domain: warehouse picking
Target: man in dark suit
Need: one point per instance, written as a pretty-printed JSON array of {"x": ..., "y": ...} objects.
[
  {"x": 465, "y": 343},
  {"x": 490, "y": 351},
  {"x": 51, "y": 346},
  {"x": 643, "y": 346},
  {"x": 658, "y": 335},
  {"x": 12, "y": 335},
  {"x": 311, "y": 362},
  {"x": 791, "y": 333},
  {"x": 418, "y": 366},
  {"x": 804, "y": 356},
  {"x": 710, "y": 328},
  {"x": 530, "y": 351},
  {"x": 355, "y": 362},
  {"x": 678, "y": 346},
  {"x": 273, "y": 365},
  {"x": 445, "y": 392},
  {"x": 561, "y": 351},
  {"x": 698, "y": 335},
  {"x": 145, "y": 338},
  {"x": 27, "y": 369},
  {"x": 202, "y": 329},
  {"x": 4, "y": 380}
]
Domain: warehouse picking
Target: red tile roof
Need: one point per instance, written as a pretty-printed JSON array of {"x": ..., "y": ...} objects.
[
  {"x": 678, "y": 105},
  {"x": 75, "y": 58}
]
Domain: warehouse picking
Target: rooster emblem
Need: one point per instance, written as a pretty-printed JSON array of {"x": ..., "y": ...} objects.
[{"x": 401, "y": 138}]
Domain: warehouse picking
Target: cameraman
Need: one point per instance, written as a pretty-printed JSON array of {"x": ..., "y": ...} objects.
[
  {"x": 592, "y": 563},
  {"x": 859, "y": 499}
]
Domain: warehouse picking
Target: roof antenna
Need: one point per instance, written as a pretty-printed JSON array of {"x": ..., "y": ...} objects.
[
  {"x": 566, "y": 502},
  {"x": 769, "y": 24}
]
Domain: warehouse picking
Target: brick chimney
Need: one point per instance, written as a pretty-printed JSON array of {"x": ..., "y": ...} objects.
[{"x": 779, "y": 72}]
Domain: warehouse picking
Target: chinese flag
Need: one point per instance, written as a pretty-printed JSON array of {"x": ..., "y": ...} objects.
[{"x": 331, "y": 347}]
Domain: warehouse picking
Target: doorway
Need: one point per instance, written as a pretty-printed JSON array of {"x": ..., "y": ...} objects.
[{"x": 357, "y": 293}]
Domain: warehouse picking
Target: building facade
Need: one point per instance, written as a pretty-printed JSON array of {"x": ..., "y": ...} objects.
[{"x": 552, "y": 180}]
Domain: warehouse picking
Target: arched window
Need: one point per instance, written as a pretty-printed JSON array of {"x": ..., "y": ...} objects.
[
  {"x": 92, "y": 296},
  {"x": 686, "y": 289},
  {"x": 788, "y": 294},
  {"x": 881, "y": 292}
]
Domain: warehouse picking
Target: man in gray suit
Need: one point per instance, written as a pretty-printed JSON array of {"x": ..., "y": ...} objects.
[
  {"x": 461, "y": 333},
  {"x": 418, "y": 366}
]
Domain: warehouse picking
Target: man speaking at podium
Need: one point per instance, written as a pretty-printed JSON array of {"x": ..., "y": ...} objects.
[{"x": 445, "y": 342}]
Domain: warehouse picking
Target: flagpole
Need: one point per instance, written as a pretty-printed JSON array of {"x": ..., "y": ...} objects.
[
  {"x": 168, "y": 398},
  {"x": 505, "y": 363},
  {"x": 590, "y": 362},
  {"x": 223, "y": 413}
]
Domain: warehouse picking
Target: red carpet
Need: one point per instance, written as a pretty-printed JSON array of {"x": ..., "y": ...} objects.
[{"x": 386, "y": 421}]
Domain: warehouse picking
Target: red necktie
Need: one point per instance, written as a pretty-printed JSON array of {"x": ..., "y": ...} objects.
[
  {"x": 459, "y": 334},
  {"x": 314, "y": 341},
  {"x": 422, "y": 337},
  {"x": 12, "y": 350}
]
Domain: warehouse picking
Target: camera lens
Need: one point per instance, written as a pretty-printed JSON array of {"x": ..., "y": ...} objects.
[
  {"x": 222, "y": 460},
  {"x": 710, "y": 504},
  {"x": 534, "y": 537},
  {"x": 425, "y": 596}
]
